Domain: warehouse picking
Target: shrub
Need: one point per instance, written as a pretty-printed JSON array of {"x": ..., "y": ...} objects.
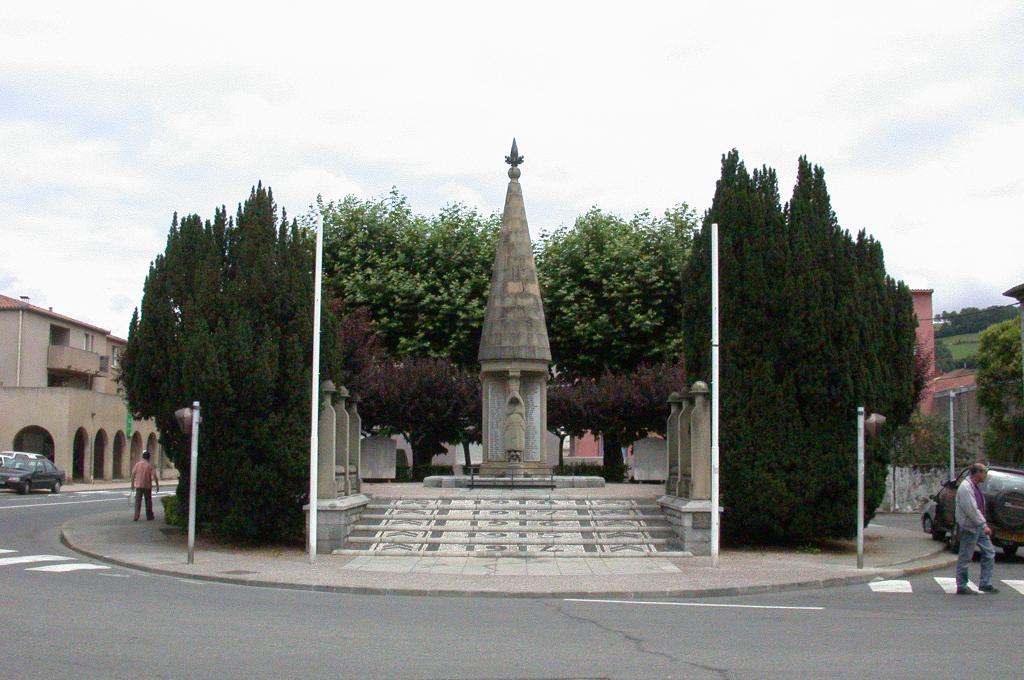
[{"x": 172, "y": 511}]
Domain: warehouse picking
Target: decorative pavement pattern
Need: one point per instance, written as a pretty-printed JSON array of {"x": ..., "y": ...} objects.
[{"x": 525, "y": 526}]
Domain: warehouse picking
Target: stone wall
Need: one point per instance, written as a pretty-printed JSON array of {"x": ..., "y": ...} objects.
[
  {"x": 914, "y": 486},
  {"x": 691, "y": 521}
]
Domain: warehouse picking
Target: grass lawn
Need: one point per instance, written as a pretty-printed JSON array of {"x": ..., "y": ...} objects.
[{"x": 962, "y": 346}]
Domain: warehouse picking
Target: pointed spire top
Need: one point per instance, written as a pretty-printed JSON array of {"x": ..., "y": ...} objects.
[
  {"x": 514, "y": 327},
  {"x": 515, "y": 160}
]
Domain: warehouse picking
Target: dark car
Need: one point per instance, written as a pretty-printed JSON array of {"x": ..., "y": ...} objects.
[
  {"x": 1003, "y": 490},
  {"x": 25, "y": 475}
]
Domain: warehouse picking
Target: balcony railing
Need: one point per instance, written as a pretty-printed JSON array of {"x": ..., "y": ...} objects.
[{"x": 72, "y": 360}]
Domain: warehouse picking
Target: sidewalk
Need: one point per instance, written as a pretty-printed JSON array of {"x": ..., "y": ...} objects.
[{"x": 154, "y": 547}]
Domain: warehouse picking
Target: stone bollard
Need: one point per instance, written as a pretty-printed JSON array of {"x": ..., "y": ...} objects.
[
  {"x": 683, "y": 482},
  {"x": 355, "y": 424},
  {"x": 675, "y": 402},
  {"x": 700, "y": 443},
  {"x": 326, "y": 487},
  {"x": 341, "y": 442}
]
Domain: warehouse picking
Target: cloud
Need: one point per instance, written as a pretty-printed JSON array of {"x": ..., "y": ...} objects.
[{"x": 112, "y": 121}]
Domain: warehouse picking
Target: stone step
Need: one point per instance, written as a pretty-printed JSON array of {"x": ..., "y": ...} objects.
[
  {"x": 481, "y": 538},
  {"x": 573, "y": 515},
  {"x": 539, "y": 497},
  {"x": 518, "y": 552},
  {"x": 462, "y": 528},
  {"x": 531, "y": 506}
]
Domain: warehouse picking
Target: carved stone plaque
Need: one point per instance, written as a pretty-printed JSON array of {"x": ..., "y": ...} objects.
[
  {"x": 496, "y": 399},
  {"x": 531, "y": 395}
]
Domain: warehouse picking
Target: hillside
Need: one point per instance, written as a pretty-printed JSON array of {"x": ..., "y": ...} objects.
[{"x": 962, "y": 350}]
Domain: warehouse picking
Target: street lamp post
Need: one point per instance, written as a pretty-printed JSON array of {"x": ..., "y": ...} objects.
[
  {"x": 188, "y": 420},
  {"x": 871, "y": 427}
]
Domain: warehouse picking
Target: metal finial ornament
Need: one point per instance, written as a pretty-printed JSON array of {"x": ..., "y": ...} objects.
[{"x": 515, "y": 160}]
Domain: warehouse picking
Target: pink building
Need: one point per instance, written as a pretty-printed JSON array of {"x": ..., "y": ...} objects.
[{"x": 926, "y": 343}]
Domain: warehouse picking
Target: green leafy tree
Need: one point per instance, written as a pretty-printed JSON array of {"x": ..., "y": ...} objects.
[
  {"x": 1000, "y": 391},
  {"x": 944, "y": 361},
  {"x": 811, "y": 328},
  {"x": 972, "y": 319},
  {"x": 423, "y": 279},
  {"x": 226, "y": 319},
  {"x": 613, "y": 290}
]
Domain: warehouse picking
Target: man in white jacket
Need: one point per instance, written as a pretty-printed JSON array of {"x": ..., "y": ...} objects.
[{"x": 974, "y": 531}]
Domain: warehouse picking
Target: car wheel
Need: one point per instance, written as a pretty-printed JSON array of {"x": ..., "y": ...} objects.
[
  {"x": 24, "y": 489},
  {"x": 1010, "y": 550},
  {"x": 56, "y": 487},
  {"x": 926, "y": 524}
]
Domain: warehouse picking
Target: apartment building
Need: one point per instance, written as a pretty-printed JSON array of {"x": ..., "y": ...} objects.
[{"x": 59, "y": 395}]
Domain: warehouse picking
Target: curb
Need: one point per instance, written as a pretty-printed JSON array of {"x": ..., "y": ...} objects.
[{"x": 811, "y": 584}]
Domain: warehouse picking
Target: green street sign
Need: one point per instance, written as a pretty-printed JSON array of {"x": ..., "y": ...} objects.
[{"x": 128, "y": 422}]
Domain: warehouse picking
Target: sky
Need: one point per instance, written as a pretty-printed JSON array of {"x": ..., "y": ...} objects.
[{"x": 115, "y": 115}]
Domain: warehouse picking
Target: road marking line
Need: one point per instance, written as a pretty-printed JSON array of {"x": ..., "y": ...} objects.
[
  {"x": 4, "y": 561},
  {"x": 78, "y": 566},
  {"x": 949, "y": 585},
  {"x": 90, "y": 493},
  {"x": 1016, "y": 585},
  {"x": 95, "y": 500},
  {"x": 115, "y": 575},
  {"x": 697, "y": 604},
  {"x": 891, "y": 587},
  {"x": 6, "y": 551}
]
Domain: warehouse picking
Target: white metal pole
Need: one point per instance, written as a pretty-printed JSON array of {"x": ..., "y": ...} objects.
[
  {"x": 715, "y": 392},
  {"x": 192, "y": 474},
  {"x": 860, "y": 487},
  {"x": 952, "y": 437},
  {"x": 314, "y": 404}
]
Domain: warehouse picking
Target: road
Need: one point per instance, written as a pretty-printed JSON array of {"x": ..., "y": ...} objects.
[{"x": 99, "y": 621}]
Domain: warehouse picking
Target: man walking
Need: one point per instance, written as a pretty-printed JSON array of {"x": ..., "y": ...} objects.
[
  {"x": 143, "y": 477},
  {"x": 974, "y": 531}
]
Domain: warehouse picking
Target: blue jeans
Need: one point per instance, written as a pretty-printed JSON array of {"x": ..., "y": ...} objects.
[{"x": 969, "y": 538}]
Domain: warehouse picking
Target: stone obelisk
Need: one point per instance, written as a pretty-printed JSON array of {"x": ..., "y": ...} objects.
[{"x": 514, "y": 351}]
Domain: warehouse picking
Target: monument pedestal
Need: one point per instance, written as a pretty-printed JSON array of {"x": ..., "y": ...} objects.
[{"x": 547, "y": 480}]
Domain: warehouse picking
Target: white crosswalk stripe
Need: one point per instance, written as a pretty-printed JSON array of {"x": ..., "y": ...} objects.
[
  {"x": 76, "y": 566},
  {"x": 1016, "y": 585},
  {"x": 68, "y": 563},
  {"x": 891, "y": 587},
  {"x": 949, "y": 585},
  {"x": 28, "y": 559}
]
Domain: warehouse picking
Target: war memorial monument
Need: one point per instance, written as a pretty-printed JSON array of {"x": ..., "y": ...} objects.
[{"x": 515, "y": 506}]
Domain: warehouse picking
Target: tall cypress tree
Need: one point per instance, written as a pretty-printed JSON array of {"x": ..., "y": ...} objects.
[
  {"x": 811, "y": 327},
  {"x": 226, "y": 319}
]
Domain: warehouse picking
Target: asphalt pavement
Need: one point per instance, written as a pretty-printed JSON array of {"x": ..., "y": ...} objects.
[{"x": 120, "y": 623}]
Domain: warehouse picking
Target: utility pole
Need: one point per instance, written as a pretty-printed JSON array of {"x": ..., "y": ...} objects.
[
  {"x": 952, "y": 435},
  {"x": 716, "y": 390},
  {"x": 860, "y": 487},
  {"x": 314, "y": 403}
]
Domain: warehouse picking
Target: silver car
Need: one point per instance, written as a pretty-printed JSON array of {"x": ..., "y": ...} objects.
[{"x": 928, "y": 522}]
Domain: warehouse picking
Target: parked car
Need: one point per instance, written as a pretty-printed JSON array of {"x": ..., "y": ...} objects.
[
  {"x": 25, "y": 474},
  {"x": 928, "y": 523},
  {"x": 1003, "y": 490}
]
